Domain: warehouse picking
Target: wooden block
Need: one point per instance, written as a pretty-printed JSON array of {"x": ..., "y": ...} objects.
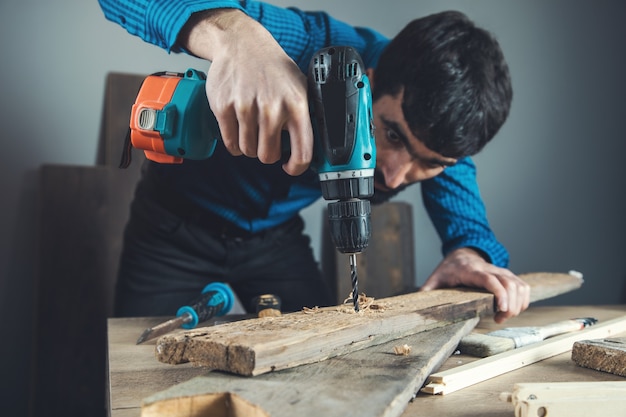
[
  {"x": 257, "y": 346},
  {"x": 606, "y": 355},
  {"x": 569, "y": 399},
  {"x": 373, "y": 382}
]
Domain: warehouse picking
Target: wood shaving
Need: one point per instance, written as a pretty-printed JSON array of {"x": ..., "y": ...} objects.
[
  {"x": 403, "y": 350},
  {"x": 308, "y": 310}
]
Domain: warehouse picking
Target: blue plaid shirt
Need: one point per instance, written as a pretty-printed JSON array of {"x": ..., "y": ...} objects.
[{"x": 257, "y": 196}]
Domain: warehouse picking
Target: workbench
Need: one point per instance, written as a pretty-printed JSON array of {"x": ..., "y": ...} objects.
[{"x": 134, "y": 373}]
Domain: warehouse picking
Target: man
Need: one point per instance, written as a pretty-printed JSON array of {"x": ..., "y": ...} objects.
[{"x": 441, "y": 91}]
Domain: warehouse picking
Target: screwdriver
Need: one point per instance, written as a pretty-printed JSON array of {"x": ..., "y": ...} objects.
[{"x": 216, "y": 300}]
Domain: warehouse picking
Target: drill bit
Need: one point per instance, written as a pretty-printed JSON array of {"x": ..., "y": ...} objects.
[{"x": 355, "y": 282}]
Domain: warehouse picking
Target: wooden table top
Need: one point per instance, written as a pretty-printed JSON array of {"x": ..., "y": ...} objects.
[{"x": 134, "y": 373}]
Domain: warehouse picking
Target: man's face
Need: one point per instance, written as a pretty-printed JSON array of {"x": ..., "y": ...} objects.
[{"x": 401, "y": 158}]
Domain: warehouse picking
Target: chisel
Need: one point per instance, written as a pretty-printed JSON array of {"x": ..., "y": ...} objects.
[{"x": 216, "y": 300}]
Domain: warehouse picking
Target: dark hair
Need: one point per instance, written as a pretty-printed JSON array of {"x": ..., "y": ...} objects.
[{"x": 457, "y": 88}]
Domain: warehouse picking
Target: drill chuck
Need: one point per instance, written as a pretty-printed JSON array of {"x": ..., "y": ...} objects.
[{"x": 350, "y": 225}]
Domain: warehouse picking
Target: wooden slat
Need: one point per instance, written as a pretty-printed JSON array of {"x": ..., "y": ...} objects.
[
  {"x": 373, "y": 382},
  {"x": 257, "y": 346}
]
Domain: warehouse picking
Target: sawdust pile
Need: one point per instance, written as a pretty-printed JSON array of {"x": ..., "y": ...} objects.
[{"x": 365, "y": 304}]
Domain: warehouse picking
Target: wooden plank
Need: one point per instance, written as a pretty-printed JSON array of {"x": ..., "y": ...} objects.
[
  {"x": 606, "y": 355},
  {"x": 458, "y": 378},
  {"x": 83, "y": 212},
  {"x": 372, "y": 382},
  {"x": 547, "y": 285},
  {"x": 257, "y": 346}
]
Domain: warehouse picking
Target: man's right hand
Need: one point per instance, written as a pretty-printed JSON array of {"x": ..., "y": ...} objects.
[{"x": 254, "y": 88}]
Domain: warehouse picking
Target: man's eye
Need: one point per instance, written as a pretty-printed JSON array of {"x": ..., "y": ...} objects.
[{"x": 392, "y": 136}]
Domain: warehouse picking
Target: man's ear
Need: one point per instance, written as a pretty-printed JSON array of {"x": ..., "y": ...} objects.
[{"x": 370, "y": 76}]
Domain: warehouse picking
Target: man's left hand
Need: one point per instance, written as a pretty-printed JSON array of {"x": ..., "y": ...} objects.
[{"x": 465, "y": 267}]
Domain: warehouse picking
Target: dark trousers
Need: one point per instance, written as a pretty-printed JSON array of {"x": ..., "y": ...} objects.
[{"x": 170, "y": 255}]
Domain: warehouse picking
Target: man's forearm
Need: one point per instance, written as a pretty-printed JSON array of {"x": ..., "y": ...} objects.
[{"x": 209, "y": 31}]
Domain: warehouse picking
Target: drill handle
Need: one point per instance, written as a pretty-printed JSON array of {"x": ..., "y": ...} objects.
[{"x": 217, "y": 299}]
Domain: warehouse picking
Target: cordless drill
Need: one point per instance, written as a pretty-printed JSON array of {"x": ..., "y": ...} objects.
[{"x": 171, "y": 121}]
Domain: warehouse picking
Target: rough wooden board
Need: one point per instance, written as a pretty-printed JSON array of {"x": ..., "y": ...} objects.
[
  {"x": 257, "y": 346},
  {"x": 371, "y": 382},
  {"x": 606, "y": 355}
]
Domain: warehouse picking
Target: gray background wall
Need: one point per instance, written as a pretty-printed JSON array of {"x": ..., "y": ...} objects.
[{"x": 553, "y": 180}]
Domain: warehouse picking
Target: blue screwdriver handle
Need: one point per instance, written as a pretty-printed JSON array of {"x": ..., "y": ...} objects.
[{"x": 216, "y": 300}]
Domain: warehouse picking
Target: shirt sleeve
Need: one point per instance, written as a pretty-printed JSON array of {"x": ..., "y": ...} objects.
[
  {"x": 453, "y": 202},
  {"x": 299, "y": 33},
  {"x": 158, "y": 21}
]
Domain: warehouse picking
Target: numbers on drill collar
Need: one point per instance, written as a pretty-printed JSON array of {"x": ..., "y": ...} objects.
[{"x": 352, "y": 173}]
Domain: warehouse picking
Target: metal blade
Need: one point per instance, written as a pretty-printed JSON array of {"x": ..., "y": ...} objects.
[{"x": 163, "y": 328}]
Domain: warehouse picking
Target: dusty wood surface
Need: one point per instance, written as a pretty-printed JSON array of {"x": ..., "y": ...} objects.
[
  {"x": 257, "y": 346},
  {"x": 607, "y": 355},
  {"x": 374, "y": 382},
  {"x": 134, "y": 374}
]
